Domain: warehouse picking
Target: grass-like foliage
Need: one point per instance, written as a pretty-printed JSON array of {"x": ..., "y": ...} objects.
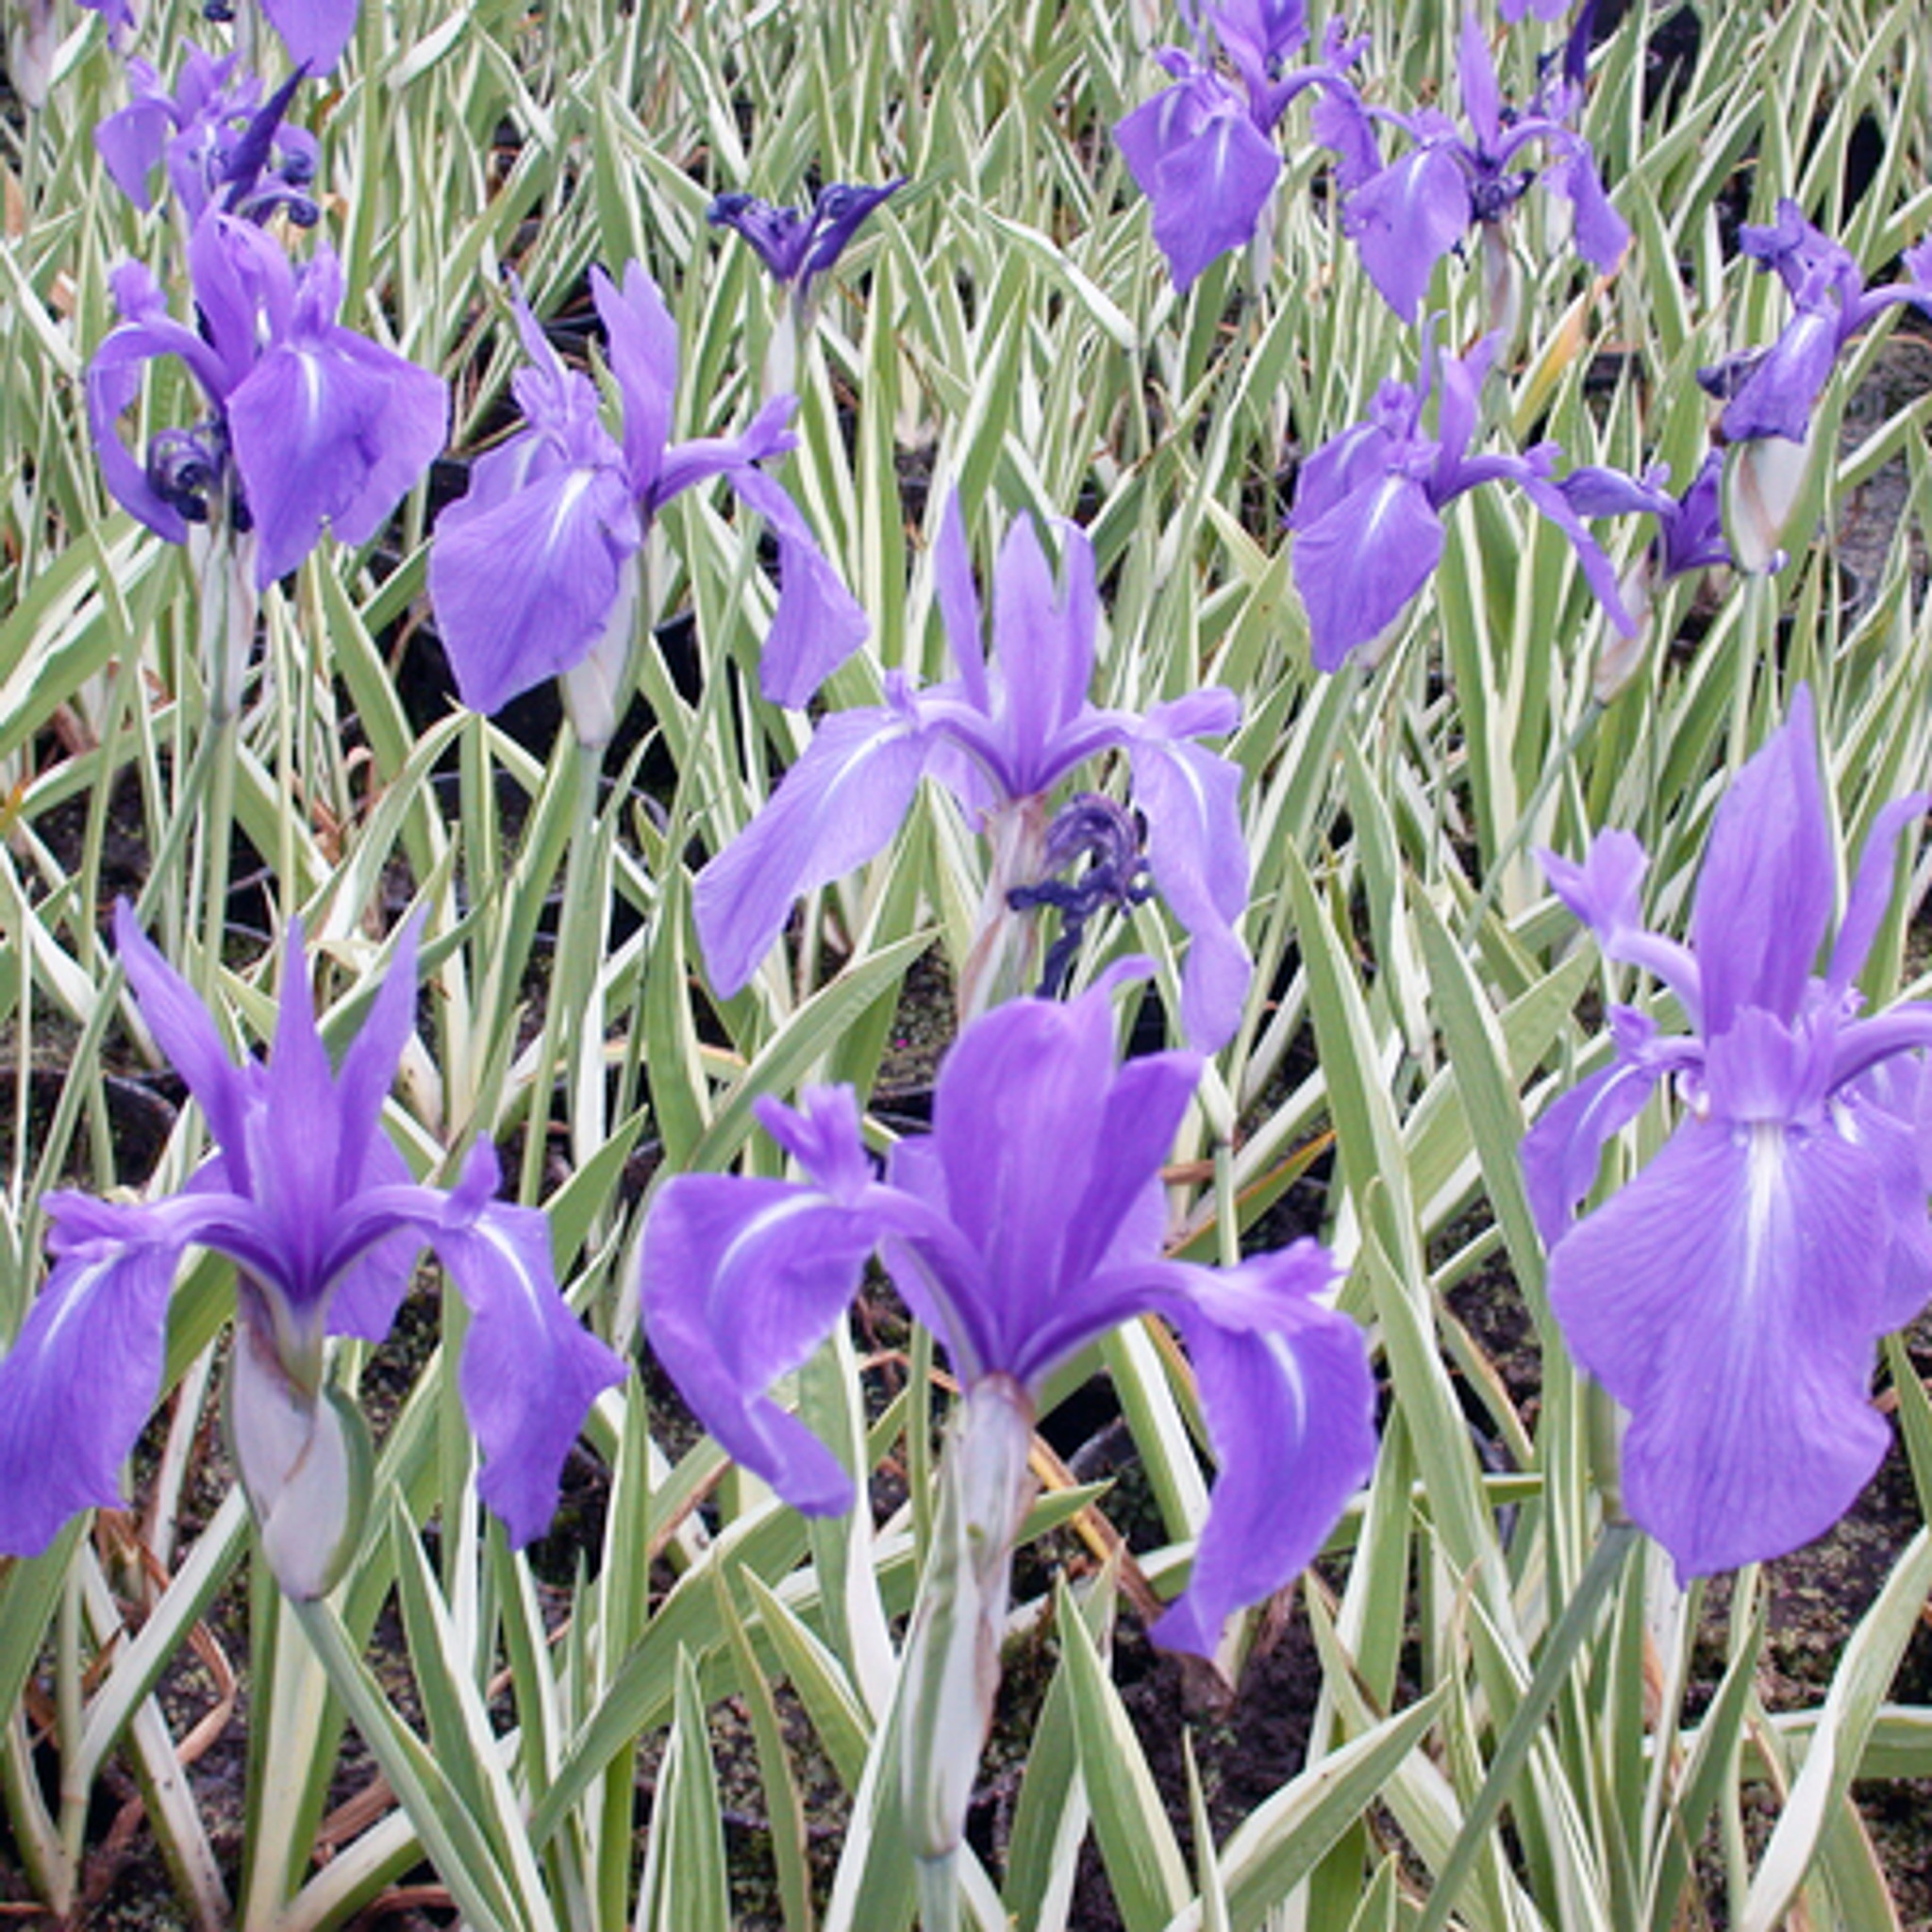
[{"x": 1095, "y": 422}]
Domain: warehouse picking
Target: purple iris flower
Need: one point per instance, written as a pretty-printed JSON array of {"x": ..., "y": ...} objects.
[
  {"x": 1028, "y": 1225},
  {"x": 1729, "y": 1296},
  {"x": 309, "y": 421},
  {"x": 796, "y": 247},
  {"x": 536, "y": 568},
  {"x": 1001, "y": 737},
  {"x": 1404, "y": 217},
  {"x": 222, "y": 144},
  {"x": 1768, "y": 394},
  {"x": 318, "y": 1212},
  {"x": 1772, "y": 392},
  {"x": 1203, "y": 150},
  {"x": 1368, "y": 507}
]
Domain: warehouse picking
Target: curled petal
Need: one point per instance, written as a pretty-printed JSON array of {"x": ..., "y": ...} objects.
[
  {"x": 530, "y": 1370},
  {"x": 1777, "y": 396},
  {"x": 1601, "y": 233},
  {"x": 1290, "y": 1404},
  {"x": 1561, "y": 1153},
  {"x": 818, "y": 624},
  {"x": 743, "y": 1278},
  {"x": 1199, "y": 858}
]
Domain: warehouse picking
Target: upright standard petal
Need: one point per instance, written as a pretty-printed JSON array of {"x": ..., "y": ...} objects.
[
  {"x": 1764, "y": 898},
  {"x": 315, "y": 32}
]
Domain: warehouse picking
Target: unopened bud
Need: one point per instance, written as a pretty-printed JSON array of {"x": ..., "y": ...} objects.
[
  {"x": 1764, "y": 478},
  {"x": 305, "y": 1462}
]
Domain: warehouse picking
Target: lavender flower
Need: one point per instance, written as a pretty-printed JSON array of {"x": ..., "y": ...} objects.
[
  {"x": 1203, "y": 150},
  {"x": 1368, "y": 507},
  {"x": 1729, "y": 1296},
  {"x": 217, "y": 138},
  {"x": 318, "y": 1212},
  {"x": 1028, "y": 1225},
  {"x": 534, "y": 572},
  {"x": 308, "y": 421},
  {"x": 1001, "y": 737},
  {"x": 1768, "y": 394},
  {"x": 1404, "y": 217}
]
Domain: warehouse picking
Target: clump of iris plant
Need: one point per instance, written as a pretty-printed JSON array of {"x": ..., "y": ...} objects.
[
  {"x": 1001, "y": 737},
  {"x": 1406, "y": 215},
  {"x": 320, "y": 1216},
  {"x": 1203, "y": 150},
  {"x": 798, "y": 250},
  {"x": 222, "y": 144},
  {"x": 1026, "y": 1226},
  {"x": 535, "y": 572},
  {"x": 1368, "y": 507},
  {"x": 1729, "y": 1295},
  {"x": 1771, "y": 396},
  {"x": 309, "y": 422}
]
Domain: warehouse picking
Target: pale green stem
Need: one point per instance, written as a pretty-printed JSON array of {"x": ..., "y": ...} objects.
[{"x": 573, "y": 1011}]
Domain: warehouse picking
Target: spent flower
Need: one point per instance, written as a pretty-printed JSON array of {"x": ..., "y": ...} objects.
[
  {"x": 1729, "y": 1296},
  {"x": 1689, "y": 537},
  {"x": 318, "y": 1212},
  {"x": 223, "y": 145}
]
